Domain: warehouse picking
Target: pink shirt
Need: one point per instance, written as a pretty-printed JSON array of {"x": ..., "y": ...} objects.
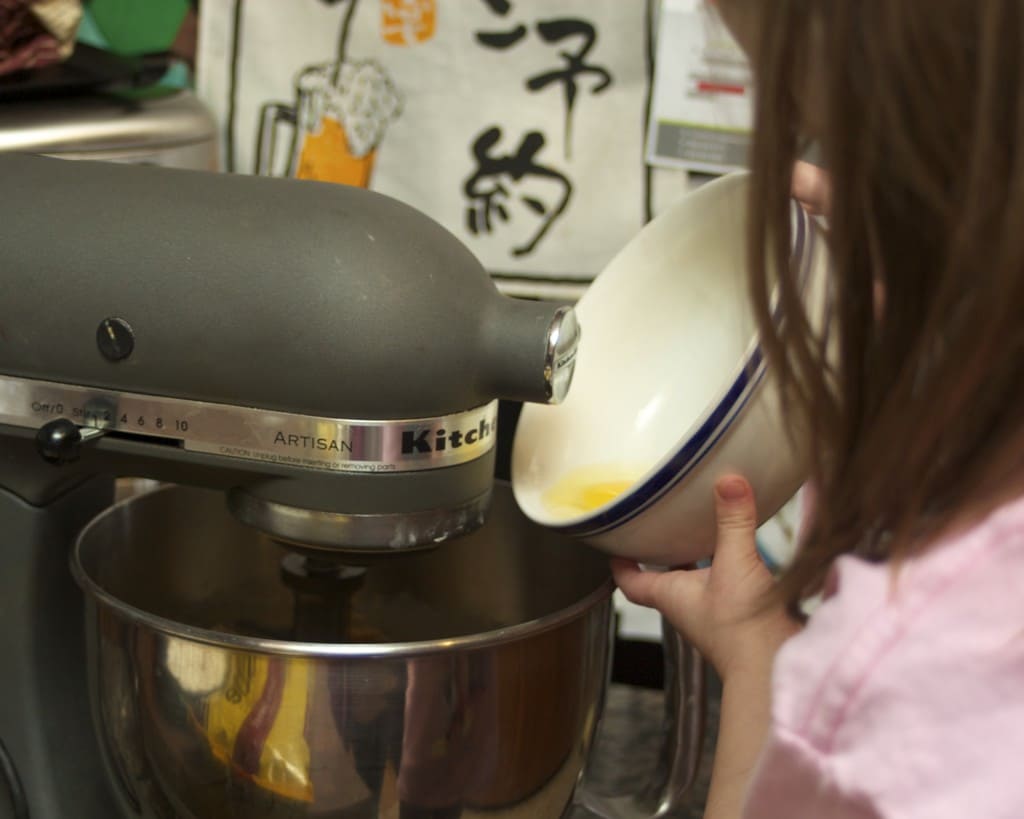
[{"x": 904, "y": 696}]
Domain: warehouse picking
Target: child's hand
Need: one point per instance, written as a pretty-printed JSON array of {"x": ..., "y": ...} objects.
[{"x": 722, "y": 610}]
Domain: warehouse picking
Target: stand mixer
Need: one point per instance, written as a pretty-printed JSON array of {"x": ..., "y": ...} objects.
[{"x": 327, "y": 358}]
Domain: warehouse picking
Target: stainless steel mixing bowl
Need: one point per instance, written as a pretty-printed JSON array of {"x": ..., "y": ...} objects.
[{"x": 232, "y": 679}]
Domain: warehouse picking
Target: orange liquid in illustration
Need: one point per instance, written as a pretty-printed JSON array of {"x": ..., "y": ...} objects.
[
  {"x": 407, "y": 22},
  {"x": 325, "y": 156}
]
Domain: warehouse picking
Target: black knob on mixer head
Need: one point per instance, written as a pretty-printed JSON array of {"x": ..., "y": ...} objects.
[{"x": 60, "y": 442}]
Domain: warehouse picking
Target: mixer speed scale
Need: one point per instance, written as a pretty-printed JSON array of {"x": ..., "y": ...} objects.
[{"x": 248, "y": 433}]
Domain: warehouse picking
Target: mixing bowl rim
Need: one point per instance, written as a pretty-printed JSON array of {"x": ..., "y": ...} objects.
[{"x": 173, "y": 628}]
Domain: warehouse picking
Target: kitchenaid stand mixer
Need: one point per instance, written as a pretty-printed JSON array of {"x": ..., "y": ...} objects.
[{"x": 327, "y": 358}]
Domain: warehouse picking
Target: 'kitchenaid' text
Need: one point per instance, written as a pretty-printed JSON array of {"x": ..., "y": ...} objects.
[{"x": 439, "y": 440}]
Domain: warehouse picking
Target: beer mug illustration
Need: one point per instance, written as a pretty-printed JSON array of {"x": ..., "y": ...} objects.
[
  {"x": 407, "y": 22},
  {"x": 338, "y": 122}
]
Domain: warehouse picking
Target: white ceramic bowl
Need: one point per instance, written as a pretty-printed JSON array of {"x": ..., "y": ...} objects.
[{"x": 670, "y": 390}]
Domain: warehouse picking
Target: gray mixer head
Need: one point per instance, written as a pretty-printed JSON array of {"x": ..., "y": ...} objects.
[{"x": 329, "y": 357}]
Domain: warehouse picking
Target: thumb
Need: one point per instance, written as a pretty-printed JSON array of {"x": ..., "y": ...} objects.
[{"x": 736, "y": 514}]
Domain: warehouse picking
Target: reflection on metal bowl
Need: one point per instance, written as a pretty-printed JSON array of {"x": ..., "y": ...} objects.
[{"x": 231, "y": 680}]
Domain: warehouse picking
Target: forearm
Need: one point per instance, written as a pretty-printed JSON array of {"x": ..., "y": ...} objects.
[
  {"x": 743, "y": 727},
  {"x": 727, "y": 613}
]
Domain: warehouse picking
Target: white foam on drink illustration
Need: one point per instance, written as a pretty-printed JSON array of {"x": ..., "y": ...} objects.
[{"x": 358, "y": 95}]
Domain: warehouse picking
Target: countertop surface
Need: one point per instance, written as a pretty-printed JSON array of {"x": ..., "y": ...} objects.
[{"x": 630, "y": 738}]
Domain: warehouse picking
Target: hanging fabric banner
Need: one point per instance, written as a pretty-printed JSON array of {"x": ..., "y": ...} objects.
[{"x": 520, "y": 125}]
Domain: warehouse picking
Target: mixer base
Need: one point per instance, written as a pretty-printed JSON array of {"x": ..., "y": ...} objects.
[{"x": 45, "y": 722}]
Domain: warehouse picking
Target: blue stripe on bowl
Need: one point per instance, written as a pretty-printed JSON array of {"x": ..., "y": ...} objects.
[
  {"x": 687, "y": 458},
  {"x": 693, "y": 450}
]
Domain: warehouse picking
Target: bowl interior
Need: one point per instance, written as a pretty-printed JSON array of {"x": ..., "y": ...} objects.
[
  {"x": 666, "y": 328},
  {"x": 177, "y": 554}
]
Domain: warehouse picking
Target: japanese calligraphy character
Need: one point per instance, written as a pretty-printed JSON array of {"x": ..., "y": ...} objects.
[
  {"x": 555, "y": 31},
  {"x": 489, "y": 189}
]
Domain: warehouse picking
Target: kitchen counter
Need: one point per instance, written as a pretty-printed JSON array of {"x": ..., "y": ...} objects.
[{"x": 629, "y": 741}]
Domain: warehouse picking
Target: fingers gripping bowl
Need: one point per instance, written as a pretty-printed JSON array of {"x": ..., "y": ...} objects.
[{"x": 671, "y": 390}]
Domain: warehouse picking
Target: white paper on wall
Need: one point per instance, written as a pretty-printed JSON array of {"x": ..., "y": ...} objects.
[{"x": 702, "y": 107}]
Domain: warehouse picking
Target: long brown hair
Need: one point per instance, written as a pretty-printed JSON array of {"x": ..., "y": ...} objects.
[{"x": 918, "y": 110}]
